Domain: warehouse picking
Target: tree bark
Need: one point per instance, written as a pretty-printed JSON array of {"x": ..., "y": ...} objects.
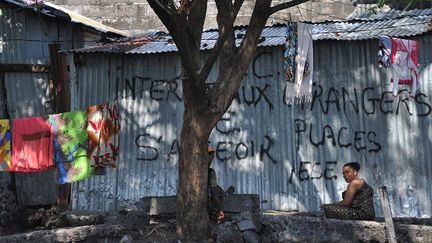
[{"x": 192, "y": 215}]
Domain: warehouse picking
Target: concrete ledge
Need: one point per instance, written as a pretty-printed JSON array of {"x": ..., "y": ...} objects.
[
  {"x": 292, "y": 228},
  {"x": 233, "y": 203},
  {"x": 75, "y": 234},
  {"x": 238, "y": 203}
]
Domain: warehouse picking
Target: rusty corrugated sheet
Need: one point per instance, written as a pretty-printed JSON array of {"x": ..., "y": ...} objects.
[
  {"x": 160, "y": 42},
  {"x": 82, "y": 20},
  {"x": 263, "y": 145},
  {"x": 62, "y": 14}
]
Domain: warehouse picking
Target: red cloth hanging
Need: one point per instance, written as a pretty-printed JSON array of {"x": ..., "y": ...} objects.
[
  {"x": 410, "y": 48},
  {"x": 32, "y": 145}
]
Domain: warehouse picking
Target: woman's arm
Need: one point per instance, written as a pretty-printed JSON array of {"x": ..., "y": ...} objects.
[{"x": 353, "y": 187}]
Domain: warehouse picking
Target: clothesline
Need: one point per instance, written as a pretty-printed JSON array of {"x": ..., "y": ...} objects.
[{"x": 76, "y": 143}]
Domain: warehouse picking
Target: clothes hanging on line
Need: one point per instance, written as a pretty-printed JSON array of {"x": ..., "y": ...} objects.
[
  {"x": 401, "y": 56},
  {"x": 290, "y": 52},
  {"x": 301, "y": 70},
  {"x": 78, "y": 143},
  {"x": 5, "y": 145},
  {"x": 103, "y": 131},
  {"x": 32, "y": 145},
  {"x": 70, "y": 146}
]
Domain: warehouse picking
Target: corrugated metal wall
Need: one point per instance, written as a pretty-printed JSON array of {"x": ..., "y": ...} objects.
[
  {"x": 24, "y": 39},
  {"x": 25, "y": 36},
  {"x": 290, "y": 155}
]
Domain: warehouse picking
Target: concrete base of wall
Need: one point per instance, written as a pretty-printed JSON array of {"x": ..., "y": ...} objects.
[
  {"x": 246, "y": 227},
  {"x": 294, "y": 228},
  {"x": 233, "y": 203}
]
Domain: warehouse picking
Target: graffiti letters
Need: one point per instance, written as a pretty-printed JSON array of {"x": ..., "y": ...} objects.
[
  {"x": 164, "y": 89},
  {"x": 226, "y": 120},
  {"x": 254, "y": 69},
  {"x": 150, "y": 153},
  {"x": 159, "y": 89},
  {"x": 225, "y": 150},
  {"x": 310, "y": 170},
  {"x": 343, "y": 137},
  {"x": 253, "y": 95},
  {"x": 367, "y": 101}
]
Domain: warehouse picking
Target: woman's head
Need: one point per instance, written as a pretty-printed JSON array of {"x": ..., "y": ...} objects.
[
  {"x": 350, "y": 170},
  {"x": 211, "y": 154}
]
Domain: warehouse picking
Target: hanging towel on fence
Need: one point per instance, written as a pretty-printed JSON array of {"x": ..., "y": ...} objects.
[
  {"x": 5, "y": 145},
  {"x": 70, "y": 146},
  {"x": 103, "y": 131},
  {"x": 32, "y": 145},
  {"x": 301, "y": 89}
]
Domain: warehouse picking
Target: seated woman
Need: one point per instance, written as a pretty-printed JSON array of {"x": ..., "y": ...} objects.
[{"x": 357, "y": 200}]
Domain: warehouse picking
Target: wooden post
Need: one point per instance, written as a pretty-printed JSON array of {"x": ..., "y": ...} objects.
[
  {"x": 388, "y": 219},
  {"x": 61, "y": 104},
  {"x": 391, "y": 234}
]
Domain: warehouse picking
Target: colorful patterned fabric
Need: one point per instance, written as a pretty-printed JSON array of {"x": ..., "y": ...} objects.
[
  {"x": 362, "y": 206},
  {"x": 401, "y": 56},
  {"x": 384, "y": 52},
  {"x": 290, "y": 52},
  {"x": 5, "y": 146},
  {"x": 32, "y": 145},
  {"x": 298, "y": 63},
  {"x": 70, "y": 146},
  {"x": 103, "y": 132}
]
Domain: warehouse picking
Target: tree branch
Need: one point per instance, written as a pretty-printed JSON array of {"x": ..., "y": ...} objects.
[
  {"x": 224, "y": 32},
  {"x": 286, "y": 5},
  {"x": 166, "y": 9},
  {"x": 229, "y": 81},
  {"x": 164, "y": 14},
  {"x": 195, "y": 21},
  {"x": 186, "y": 6}
]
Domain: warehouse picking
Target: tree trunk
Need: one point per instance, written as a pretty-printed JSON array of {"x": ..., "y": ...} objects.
[{"x": 192, "y": 215}]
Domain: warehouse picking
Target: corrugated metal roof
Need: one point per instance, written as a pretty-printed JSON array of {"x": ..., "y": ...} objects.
[
  {"x": 353, "y": 30},
  {"x": 53, "y": 10},
  {"x": 160, "y": 42},
  {"x": 393, "y": 23},
  {"x": 392, "y": 14}
]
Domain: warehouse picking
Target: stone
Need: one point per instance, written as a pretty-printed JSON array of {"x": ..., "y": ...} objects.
[
  {"x": 251, "y": 236},
  {"x": 163, "y": 205},
  {"x": 5, "y": 219},
  {"x": 76, "y": 234},
  {"x": 294, "y": 228},
  {"x": 227, "y": 233},
  {"x": 248, "y": 221}
]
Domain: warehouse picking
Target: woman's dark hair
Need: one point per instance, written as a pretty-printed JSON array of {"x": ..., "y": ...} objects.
[{"x": 354, "y": 165}]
